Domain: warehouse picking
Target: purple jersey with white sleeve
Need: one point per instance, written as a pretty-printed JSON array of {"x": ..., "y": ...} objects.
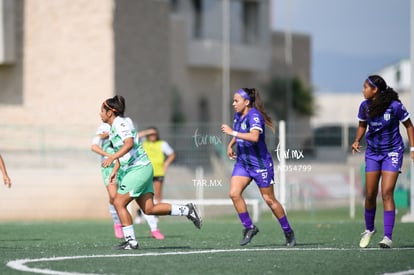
[
  {"x": 383, "y": 134},
  {"x": 252, "y": 154}
]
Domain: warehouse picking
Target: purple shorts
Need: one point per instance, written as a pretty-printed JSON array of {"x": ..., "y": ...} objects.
[
  {"x": 263, "y": 177},
  {"x": 391, "y": 161}
]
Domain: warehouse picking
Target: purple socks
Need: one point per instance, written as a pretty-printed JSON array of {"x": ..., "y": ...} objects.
[
  {"x": 285, "y": 224},
  {"x": 370, "y": 218},
  {"x": 245, "y": 220},
  {"x": 389, "y": 220}
]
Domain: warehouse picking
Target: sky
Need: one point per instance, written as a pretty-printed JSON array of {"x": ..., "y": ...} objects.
[{"x": 351, "y": 39}]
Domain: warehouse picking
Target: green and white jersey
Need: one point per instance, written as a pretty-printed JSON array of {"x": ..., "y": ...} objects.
[
  {"x": 104, "y": 143},
  {"x": 123, "y": 128}
]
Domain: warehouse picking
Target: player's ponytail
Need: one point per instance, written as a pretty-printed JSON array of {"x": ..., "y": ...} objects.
[
  {"x": 256, "y": 102},
  {"x": 116, "y": 104}
]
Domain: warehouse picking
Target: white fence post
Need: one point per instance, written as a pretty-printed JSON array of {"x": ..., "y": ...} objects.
[
  {"x": 199, "y": 174},
  {"x": 282, "y": 163},
  {"x": 352, "y": 193}
]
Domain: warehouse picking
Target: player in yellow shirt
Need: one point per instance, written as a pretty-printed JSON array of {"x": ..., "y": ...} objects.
[{"x": 161, "y": 156}]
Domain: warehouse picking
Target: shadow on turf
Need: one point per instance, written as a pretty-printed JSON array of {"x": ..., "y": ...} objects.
[
  {"x": 166, "y": 236},
  {"x": 21, "y": 240},
  {"x": 283, "y": 245},
  {"x": 169, "y": 247},
  {"x": 247, "y": 246}
]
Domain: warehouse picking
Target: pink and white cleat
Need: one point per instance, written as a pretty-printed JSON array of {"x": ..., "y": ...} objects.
[
  {"x": 118, "y": 231},
  {"x": 156, "y": 234}
]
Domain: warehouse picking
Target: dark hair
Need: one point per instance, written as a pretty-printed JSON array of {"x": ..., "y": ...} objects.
[
  {"x": 256, "y": 102},
  {"x": 116, "y": 104},
  {"x": 379, "y": 104},
  {"x": 156, "y": 129}
]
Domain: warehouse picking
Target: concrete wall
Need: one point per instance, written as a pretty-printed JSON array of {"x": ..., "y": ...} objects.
[
  {"x": 196, "y": 63},
  {"x": 298, "y": 129},
  {"x": 141, "y": 59},
  {"x": 63, "y": 69},
  {"x": 301, "y": 56},
  {"x": 11, "y": 78},
  {"x": 342, "y": 108},
  {"x": 72, "y": 55},
  {"x": 67, "y": 61}
]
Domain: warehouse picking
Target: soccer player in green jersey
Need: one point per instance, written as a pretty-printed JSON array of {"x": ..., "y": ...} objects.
[
  {"x": 137, "y": 173},
  {"x": 103, "y": 147}
]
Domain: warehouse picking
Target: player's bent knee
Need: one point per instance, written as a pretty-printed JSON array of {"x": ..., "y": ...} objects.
[
  {"x": 270, "y": 202},
  {"x": 235, "y": 196},
  {"x": 148, "y": 210},
  {"x": 269, "y": 199}
]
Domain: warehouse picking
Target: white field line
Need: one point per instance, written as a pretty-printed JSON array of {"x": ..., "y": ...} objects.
[
  {"x": 21, "y": 263},
  {"x": 406, "y": 272}
]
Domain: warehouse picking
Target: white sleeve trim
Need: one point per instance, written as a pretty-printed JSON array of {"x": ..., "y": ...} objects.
[
  {"x": 256, "y": 128},
  {"x": 406, "y": 118}
]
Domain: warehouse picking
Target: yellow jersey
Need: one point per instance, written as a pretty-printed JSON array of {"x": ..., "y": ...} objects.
[{"x": 156, "y": 152}]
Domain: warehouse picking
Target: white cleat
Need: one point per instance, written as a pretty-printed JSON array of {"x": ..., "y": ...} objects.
[
  {"x": 385, "y": 243},
  {"x": 366, "y": 238}
]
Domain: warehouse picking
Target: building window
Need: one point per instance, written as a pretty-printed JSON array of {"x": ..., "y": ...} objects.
[
  {"x": 250, "y": 19},
  {"x": 398, "y": 75},
  {"x": 174, "y": 5},
  {"x": 7, "y": 32},
  {"x": 197, "y": 17},
  {"x": 206, "y": 20}
]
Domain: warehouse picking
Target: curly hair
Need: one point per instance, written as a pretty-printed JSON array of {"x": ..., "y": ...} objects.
[{"x": 385, "y": 96}]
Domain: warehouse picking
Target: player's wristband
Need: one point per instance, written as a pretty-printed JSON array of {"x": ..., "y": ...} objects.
[
  {"x": 235, "y": 134},
  {"x": 411, "y": 149}
]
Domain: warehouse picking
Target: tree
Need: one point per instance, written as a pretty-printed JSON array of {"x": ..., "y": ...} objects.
[{"x": 276, "y": 97}]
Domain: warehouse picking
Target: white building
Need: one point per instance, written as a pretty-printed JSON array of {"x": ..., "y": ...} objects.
[
  {"x": 335, "y": 121},
  {"x": 342, "y": 108},
  {"x": 398, "y": 75}
]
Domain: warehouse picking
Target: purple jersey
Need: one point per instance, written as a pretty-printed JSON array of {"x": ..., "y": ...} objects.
[
  {"x": 383, "y": 133},
  {"x": 252, "y": 154}
]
